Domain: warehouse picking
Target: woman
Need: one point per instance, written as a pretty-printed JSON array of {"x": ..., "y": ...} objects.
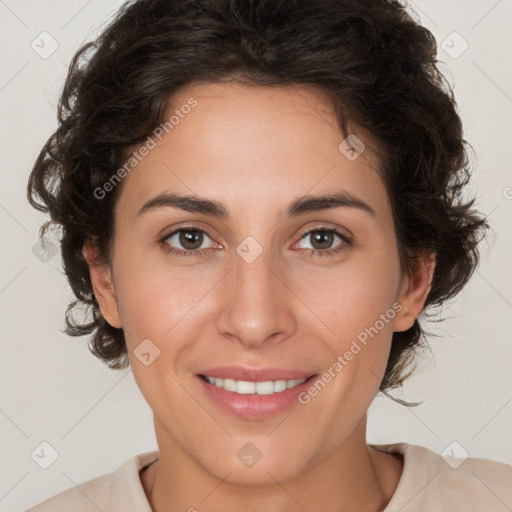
[{"x": 259, "y": 199}]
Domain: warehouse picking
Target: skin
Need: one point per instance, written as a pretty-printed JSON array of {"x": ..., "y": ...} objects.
[{"x": 256, "y": 149}]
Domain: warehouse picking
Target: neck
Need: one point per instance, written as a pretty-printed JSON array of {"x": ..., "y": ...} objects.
[{"x": 355, "y": 477}]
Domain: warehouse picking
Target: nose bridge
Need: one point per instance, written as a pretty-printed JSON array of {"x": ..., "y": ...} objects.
[{"x": 256, "y": 307}]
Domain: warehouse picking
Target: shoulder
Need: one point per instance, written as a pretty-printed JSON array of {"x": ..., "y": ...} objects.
[
  {"x": 86, "y": 497},
  {"x": 451, "y": 481},
  {"x": 120, "y": 490}
]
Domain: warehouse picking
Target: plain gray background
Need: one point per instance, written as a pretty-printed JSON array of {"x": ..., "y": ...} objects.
[{"x": 53, "y": 390}]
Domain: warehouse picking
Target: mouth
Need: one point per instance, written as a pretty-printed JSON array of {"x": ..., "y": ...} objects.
[
  {"x": 247, "y": 387},
  {"x": 253, "y": 394}
]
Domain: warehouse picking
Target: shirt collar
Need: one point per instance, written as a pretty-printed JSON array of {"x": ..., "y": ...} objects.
[{"x": 127, "y": 492}]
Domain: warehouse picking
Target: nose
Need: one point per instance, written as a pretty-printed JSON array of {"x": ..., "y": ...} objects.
[{"x": 256, "y": 307}]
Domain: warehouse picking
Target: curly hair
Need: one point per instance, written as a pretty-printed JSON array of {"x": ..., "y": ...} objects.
[{"x": 374, "y": 62}]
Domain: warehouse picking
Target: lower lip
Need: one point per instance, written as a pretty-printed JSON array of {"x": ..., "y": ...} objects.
[{"x": 254, "y": 407}]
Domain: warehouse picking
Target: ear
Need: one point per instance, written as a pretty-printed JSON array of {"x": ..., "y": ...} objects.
[
  {"x": 103, "y": 286},
  {"x": 414, "y": 290}
]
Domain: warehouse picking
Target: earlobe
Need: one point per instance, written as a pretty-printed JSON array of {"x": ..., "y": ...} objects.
[
  {"x": 103, "y": 286},
  {"x": 414, "y": 291}
]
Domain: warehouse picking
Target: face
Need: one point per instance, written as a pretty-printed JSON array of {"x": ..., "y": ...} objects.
[{"x": 259, "y": 288}]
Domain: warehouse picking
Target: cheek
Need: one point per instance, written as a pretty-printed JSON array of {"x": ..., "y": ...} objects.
[
  {"x": 159, "y": 310},
  {"x": 350, "y": 298},
  {"x": 154, "y": 300},
  {"x": 355, "y": 305}
]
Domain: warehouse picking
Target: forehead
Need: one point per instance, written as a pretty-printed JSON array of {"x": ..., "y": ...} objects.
[{"x": 251, "y": 145}]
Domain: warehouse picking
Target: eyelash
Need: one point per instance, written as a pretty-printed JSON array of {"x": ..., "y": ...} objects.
[{"x": 200, "y": 252}]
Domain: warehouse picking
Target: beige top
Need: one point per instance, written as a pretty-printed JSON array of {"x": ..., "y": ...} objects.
[{"x": 427, "y": 484}]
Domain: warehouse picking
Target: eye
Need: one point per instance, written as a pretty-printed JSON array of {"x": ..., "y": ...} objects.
[
  {"x": 190, "y": 241},
  {"x": 323, "y": 239}
]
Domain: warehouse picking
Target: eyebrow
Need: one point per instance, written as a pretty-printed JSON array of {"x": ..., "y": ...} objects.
[{"x": 300, "y": 206}]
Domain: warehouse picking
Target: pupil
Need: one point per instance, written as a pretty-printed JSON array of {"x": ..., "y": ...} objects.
[
  {"x": 327, "y": 237},
  {"x": 187, "y": 239}
]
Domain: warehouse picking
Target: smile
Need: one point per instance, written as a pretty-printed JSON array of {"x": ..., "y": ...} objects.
[{"x": 244, "y": 387}]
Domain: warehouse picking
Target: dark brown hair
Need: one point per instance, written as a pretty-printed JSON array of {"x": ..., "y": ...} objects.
[{"x": 374, "y": 62}]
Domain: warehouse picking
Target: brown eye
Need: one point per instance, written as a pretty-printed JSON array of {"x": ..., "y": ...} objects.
[
  {"x": 189, "y": 239},
  {"x": 322, "y": 241},
  {"x": 186, "y": 240}
]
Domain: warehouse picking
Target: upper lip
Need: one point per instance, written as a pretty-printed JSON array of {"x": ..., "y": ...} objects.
[{"x": 255, "y": 374}]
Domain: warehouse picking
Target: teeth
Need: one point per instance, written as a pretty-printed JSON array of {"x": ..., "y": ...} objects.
[{"x": 244, "y": 387}]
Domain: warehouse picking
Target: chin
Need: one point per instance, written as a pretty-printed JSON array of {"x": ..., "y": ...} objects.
[{"x": 248, "y": 465}]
